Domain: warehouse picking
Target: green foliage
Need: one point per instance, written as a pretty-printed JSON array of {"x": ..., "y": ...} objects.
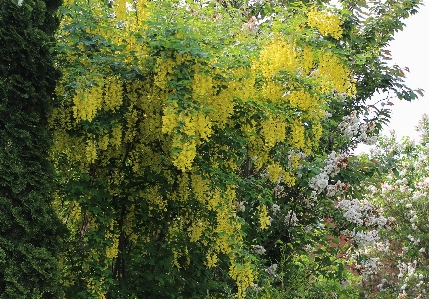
[{"x": 29, "y": 227}]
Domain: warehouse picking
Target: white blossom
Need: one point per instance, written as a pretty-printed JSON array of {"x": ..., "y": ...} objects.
[
  {"x": 290, "y": 219},
  {"x": 271, "y": 270},
  {"x": 275, "y": 208},
  {"x": 240, "y": 206},
  {"x": 258, "y": 249},
  {"x": 345, "y": 283},
  {"x": 368, "y": 238}
]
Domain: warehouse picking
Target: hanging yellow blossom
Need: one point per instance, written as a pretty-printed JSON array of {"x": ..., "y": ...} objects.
[
  {"x": 264, "y": 220},
  {"x": 327, "y": 23},
  {"x": 274, "y": 171},
  {"x": 112, "y": 93},
  {"x": 87, "y": 102}
]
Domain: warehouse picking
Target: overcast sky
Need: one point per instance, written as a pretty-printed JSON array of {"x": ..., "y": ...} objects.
[{"x": 410, "y": 49}]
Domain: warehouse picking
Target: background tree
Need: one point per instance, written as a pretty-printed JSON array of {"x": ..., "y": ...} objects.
[{"x": 30, "y": 230}]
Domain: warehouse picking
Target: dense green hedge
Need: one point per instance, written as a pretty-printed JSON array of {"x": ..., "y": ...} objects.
[{"x": 29, "y": 229}]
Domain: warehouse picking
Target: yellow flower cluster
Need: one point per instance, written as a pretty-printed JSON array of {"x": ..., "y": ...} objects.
[
  {"x": 179, "y": 251},
  {"x": 202, "y": 85},
  {"x": 128, "y": 225},
  {"x": 117, "y": 132},
  {"x": 186, "y": 154},
  {"x": 96, "y": 288},
  {"x": 112, "y": 93},
  {"x": 302, "y": 61},
  {"x": 112, "y": 250},
  {"x": 188, "y": 125},
  {"x": 264, "y": 220},
  {"x": 259, "y": 152},
  {"x": 298, "y": 139},
  {"x": 196, "y": 230},
  {"x": 227, "y": 228},
  {"x": 120, "y": 9},
  {"x": 277, "y": 55},
  {"x": 131, "y": 118},
  {"x": 91, "y": 151},
  {"x": 193, "y": 128},
  {"x": 87, "y": 102},
  {"x": 243, "y": 274},
  {"x": 326, "y": 23},
  {"x": 200, "y": 188},
  {"x": 273, "y": 91},
  {"x": 170, "y": 118},
  {"x": 240, "y": 79},
  {"x": 307, "y": 62},
  {"x": 164, "y": 67},
  {"x": 222, "y": 106},
  {"x": 274, "y": 130},
  {"x": 229, "y": 240},
  {"x": 274, "y": 172},
  {"x": 333, "y": 75},
  {"x": 302, "y": 100},
  {"x": 288, "y": 178},
  {"x": 154, "y": 198},
  {"x": 211, "y": 259}
]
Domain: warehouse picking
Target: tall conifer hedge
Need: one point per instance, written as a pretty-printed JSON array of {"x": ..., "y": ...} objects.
[{"x": 29, "y": 229}]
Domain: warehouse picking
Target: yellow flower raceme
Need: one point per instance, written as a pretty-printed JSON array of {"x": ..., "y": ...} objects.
[
  {"x": 91, "y": 151},
  {"x": 273, "y": 91},
  {"x": 201, "y": 85},
  {"x": 274, "y": 130},
  {"x": 332, "y": 74},
  {"x": 120, "y": 9},
  {"x": 195, "y": 231},
  {"x": 307, "y": 61},
  {"x": 211, "y": 259},
  {"x": 277, "y": 55},
  {"x": 325, "y": 22},
  {"x": 185, "y": 156},
  {"x": 288, "y": 178},
  {"x": 275, "y": 171},
  {"x": 243, "y": 274},
  {"x": 264, "y": 220},
  {"x": 303, "y": 100},
  {"x": 112, "y": 250},
  {"x": 297, "y": 139},
  {"x": 112, "y": 93},
  {"x": 200, "y": 188},
  {"x": 87, "y": 102},
  {"x": 154, "y": 198}
]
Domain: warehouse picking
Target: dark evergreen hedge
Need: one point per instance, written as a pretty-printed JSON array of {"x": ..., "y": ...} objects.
[{"x": 30, "y": 232}]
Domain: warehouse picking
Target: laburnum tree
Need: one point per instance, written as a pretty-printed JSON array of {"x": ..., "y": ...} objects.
[
  {"x": 200, "y": 146},
  {"x": 30, "y": 230}
]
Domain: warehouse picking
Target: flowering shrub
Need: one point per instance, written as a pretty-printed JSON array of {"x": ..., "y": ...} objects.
[{"x": 401, "y": 193}]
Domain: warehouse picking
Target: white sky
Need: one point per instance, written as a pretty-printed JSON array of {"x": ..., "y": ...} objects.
[{"x": 410, "y": 49}]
